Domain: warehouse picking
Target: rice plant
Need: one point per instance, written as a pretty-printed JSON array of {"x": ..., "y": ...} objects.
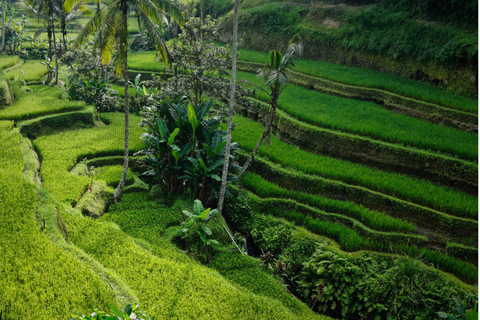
[
  {"x": 374, "y": 79},
  {"x": 372, "y": 120},
  {"x": 374, "y": 219},
  {"x": 401, "y": 186}
]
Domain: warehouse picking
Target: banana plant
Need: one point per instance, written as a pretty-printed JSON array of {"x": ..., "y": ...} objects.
[
  {"x": 186, "y": 149},
  {"x": 196, "y": 225}
]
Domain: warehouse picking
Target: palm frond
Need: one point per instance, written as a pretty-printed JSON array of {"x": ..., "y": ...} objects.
[
  {"x": 153, "y": 32},
  {"x": 40, "y": 31},
  {"x": 121, "y": 57},
  {"x": 90, "y": 27},
  {"x": 168, "y": 8}
]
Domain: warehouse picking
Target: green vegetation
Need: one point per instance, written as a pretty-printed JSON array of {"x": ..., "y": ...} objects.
[
  {"x": 146, "y": 220},
  {"x": 30, "y": 71},
  {"x": 8, "y": 61},
  {"x": 367, "y": 118},
  {"x": 60, "y": 152},
  {"x": 145, "y": 61},
  {"x": 401, "y": 186},
  {"x": 41, "y": 101},
  {"x": 39, "y": 279},
  {"x": 374, "y": 219},
  {"x": 374, "y": 79},
  {"x": 111, "y": 175}
]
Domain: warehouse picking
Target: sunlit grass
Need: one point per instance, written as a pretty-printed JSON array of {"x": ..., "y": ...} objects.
[
  {"x": 370, "y": 119},
  {"x": 415, "y": 190}
]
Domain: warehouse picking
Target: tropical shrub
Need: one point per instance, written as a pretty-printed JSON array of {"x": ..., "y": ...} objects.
[
  {"x": 196, "y": 225},
  {"x": 373, "y": 287},
  {"x": 91, "y": 80},
  {"x": 185, "y": 149}
]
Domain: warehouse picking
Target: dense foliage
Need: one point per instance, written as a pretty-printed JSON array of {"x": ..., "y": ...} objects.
[{"x": 185, "y": 149}]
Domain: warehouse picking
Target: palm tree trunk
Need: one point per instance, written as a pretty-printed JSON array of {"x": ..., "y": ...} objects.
[
  {"x": 2, "y": 48},
  {"x": 118, "y": 192},
  {"x": 259, "y": 143},
  {"x": 56, "y": 56},
  {"x": 226, "y": 160}
]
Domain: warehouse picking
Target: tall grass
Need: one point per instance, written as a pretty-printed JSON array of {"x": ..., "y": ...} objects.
[
  {"x": 374, "y": 79},
  {"x": 43, "y": 100},
  {"x": 418, "y": 191},
  {"x": 370, "y": 119},
  {"x": 374, "y": 219},
  {"x": 8, "y": 61},
  {"x": 39, "y": 280},
  {"x": 30, "y": 71},
  {"x": 60, "y": 152},
  {"x": 145, "y": 61},
  {"x": 168, "y": 284}
]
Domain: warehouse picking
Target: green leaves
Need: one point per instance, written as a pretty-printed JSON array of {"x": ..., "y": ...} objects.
[{"x": 192, "y": 118}]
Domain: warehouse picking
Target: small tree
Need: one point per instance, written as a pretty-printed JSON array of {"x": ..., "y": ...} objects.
[
  {"x": 275, "y": 77},
  {"x": 185, "y": 149}
]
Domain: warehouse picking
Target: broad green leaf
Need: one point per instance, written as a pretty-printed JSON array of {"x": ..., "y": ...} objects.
[
  {"x": 117, "y": 313},
  {"x": 202, "y": 235},
  {"x": 162, "y": 127},
  {"x": 204, "y": 214},
  {"x": 214, "y": 177},
  {"x": 128, "y": 308},
  {"x": 207, "y": 230},
  {"x": 137, "y": 80},
  {"x": 197, "y": 207},
  {"x": 192, "y": 118},
  {"x": 202, "y": 164},
  {"x": 171, "y": 139}
]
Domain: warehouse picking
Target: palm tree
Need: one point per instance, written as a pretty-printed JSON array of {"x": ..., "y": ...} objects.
[
  {"x": 111, "y": 27},
  {"x": 223, "y": 187},
  {"x": 275, "y": 77}
]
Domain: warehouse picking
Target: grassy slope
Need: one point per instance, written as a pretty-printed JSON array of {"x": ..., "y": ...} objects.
[
  {"x": 247, "y": 132},
  {"x": 187, "y": 290},
  {"x": 371, "y": 119},
  {"x": 39, "y": 279},
  {"x": 42, "y": 101},
  {"x": 369, "y": 78}
]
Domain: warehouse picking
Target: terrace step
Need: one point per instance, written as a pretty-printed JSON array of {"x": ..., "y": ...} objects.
[
  {"x": 442, "y": 169},
  {"x": 413, "y": 107},
  {"x": 446, "y": 226}
]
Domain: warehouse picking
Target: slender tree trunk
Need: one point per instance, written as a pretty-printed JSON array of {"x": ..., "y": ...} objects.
[
  {"x": 264, "y": 134},
  {"x": 118, "y": 192},
  {"x": 55, "y": 53},
  {"x": 226, "y": 160},
  {"x": 201, "y": 20},
  {"x": 2, "y": 48}
]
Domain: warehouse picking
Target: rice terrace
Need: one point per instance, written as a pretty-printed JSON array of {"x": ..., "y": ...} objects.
[{"x": 239, "y": 159}]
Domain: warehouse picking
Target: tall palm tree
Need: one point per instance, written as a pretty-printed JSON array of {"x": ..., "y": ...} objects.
[
  {"x": 275, "y": 77},
  {"x": 111, "y": 27},
  {"x": 226, "y": 161}
]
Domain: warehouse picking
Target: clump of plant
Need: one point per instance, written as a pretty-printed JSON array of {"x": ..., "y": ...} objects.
[
  {"x": 90, "y": 80},
  {"x": 199, "y": 66},
  {"x": 460, "y": 312},
  {"x": 185, "y": 149},
  {"x": 130, "y": 312},
  {"x": 195, "y": 229}
]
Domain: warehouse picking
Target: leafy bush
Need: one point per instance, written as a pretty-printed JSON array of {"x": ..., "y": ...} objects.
[
  {"x": 196, "y": 225},
  {"x": 185, "y": 149},
  {"x": 372, "y": 287},
  {"x": 91, "y": 81}
]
